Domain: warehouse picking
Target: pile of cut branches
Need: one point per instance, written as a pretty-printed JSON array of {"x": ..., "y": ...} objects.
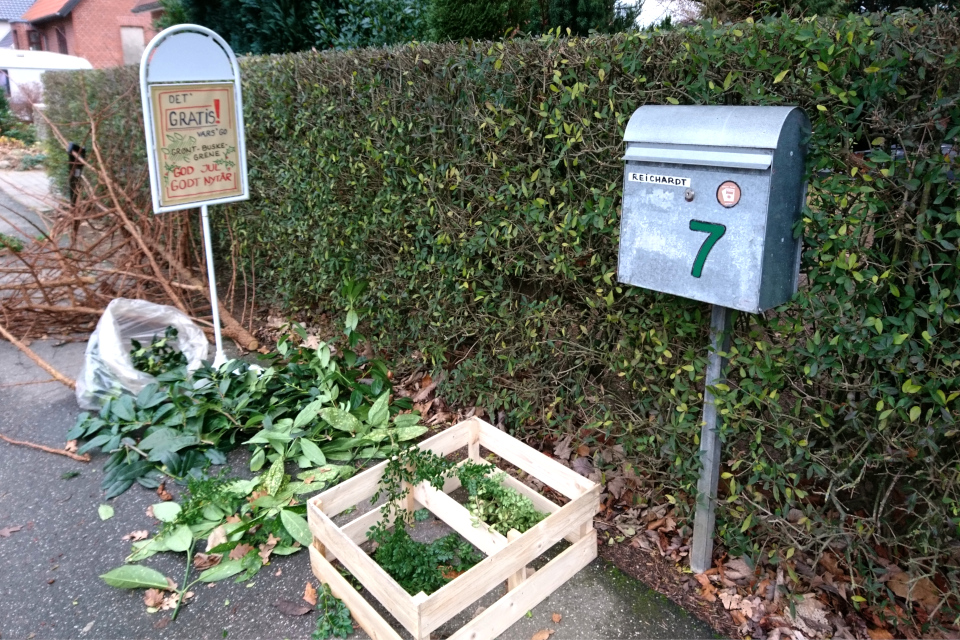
[{"x": 107, "y": 244}]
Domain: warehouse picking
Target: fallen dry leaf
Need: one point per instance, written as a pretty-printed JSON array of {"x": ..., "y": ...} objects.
[
  {"x": 583, "y": 466},
  {"x": 240, "y": 550},
  {"x": 217, "y": 537},
  {"x": 289, "y": 608},
  {"x": 879, "y": 634},
  {"x": 427, "y": 389},
  {"x": 150, "y": 512},
  {"x": 449, "y": 573},
  {"x": 233, "y": 519},
  {"x": 583, "y": 450},
  {"x": 203, "y": 561},
  {"x": 170, "y": 602},
  {"x": 279, "y": 572},
  {"x": 310, "y": 594},
  {"x": 922, "y": 590},
  {"x": 163, "y": 493},
  {"x": 562, "y": 449},
  {"x": 136, "y": 536},
  {"x": 71, "y": 446},
  {"x": 708, "y": 591},
  {"x": 6, "y": 531},
  {"x": 737, "y": 569},
  {"x": 543, "y": 634},
  {"x": 171, "y": 585},
  {"x": 267, "y": 548},
  {"x": 153, "y": 598},
  {"x": 556, "y": 618}
]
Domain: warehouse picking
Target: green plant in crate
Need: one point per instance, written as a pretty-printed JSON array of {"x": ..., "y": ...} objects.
[
  {"x": 500, "y": 507},
  {"x": 418, "y": 566}
]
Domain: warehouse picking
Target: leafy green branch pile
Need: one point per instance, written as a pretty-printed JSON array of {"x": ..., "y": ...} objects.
[
  {"x": 476, "y": 187},
  {"x": 303, "y": 405}
]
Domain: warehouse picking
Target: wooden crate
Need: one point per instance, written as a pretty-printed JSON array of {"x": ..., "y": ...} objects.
[{"x": 507, "y": 557}]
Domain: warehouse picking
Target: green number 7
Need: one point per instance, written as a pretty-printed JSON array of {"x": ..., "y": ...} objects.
[{"x": 716, "y": 232}]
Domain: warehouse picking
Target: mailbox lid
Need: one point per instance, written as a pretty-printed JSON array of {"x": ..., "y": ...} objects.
[{"x": 707, "y": 126}]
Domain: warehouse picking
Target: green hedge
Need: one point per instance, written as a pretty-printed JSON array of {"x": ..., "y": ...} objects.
[{"x": 477, "y": 189}]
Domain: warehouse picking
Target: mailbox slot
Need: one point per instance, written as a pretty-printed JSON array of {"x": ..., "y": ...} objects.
[{"x": 700, "y": 156}]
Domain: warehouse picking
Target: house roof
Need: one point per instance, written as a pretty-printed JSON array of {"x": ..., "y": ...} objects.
[
  {"x": 147, "y": 5},
  {"x": 48, "y": 9},
  {"x": 13, "y": 9}
]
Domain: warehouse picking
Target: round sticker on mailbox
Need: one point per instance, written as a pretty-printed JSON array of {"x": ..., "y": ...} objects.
[{"x": 728, "y": 194}]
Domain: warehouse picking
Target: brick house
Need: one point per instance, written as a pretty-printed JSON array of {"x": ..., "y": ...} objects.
[{"x": 108, "y": 33}]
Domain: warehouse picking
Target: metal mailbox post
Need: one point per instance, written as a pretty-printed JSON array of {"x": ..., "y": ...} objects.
[{"x": 711, "y": 196}]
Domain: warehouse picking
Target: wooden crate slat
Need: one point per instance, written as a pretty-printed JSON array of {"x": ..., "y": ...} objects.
[
  {"x": 550, "y": 472},
  {"x": 448, "y": 441},
  {"x": 449, "y": 600},
  {"x": 351, "y": 491},
  {"x": 363, "y": 485},
  {"x": 363, "y": 567},
  {"x": 459, "y": 519},
  {"x": 361, "y": 610},
  {"x": 501, "y": 615}
]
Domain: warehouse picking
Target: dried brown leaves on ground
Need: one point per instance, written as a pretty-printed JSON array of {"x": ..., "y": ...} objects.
[
  {"x": 792, "y": 596},
  {"x": 797, "y": 598},
  {"x": 310, "y": 594}
]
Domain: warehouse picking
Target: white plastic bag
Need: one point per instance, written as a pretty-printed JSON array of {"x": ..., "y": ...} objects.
[{"x": 107, "y": 366}]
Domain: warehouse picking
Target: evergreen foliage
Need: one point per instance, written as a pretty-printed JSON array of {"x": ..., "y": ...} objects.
[{"x": 477, "y": 19}]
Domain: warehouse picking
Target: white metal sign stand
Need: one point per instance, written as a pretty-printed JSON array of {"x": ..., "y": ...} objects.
[{"x": 193, "y": 122}]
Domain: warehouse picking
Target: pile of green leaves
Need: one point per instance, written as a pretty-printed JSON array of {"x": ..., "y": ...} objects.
[
  {"x": 159, "y": 356},
  {"x": 245, "y": 523},
  {"x": 334, "y": 620},
  {"x": 303, "y": 405}
]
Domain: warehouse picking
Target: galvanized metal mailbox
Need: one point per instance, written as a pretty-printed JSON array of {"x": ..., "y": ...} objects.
[{"x": 710, "y": 199}]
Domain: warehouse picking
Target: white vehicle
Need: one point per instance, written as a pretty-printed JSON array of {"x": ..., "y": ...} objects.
[{"x": 21, "y": 72}]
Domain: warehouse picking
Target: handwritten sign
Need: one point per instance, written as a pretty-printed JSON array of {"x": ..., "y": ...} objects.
[{"x": 196, "y": 142}]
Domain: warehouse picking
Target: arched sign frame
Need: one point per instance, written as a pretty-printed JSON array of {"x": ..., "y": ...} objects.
[{"x": 183, "y": 56}]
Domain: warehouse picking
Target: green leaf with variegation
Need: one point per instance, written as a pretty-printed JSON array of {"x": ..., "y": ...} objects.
[
  {"x": 273, "y": 478},
  {"x": 379, "y": 411},
  {"x": 340, "y": 419}
]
